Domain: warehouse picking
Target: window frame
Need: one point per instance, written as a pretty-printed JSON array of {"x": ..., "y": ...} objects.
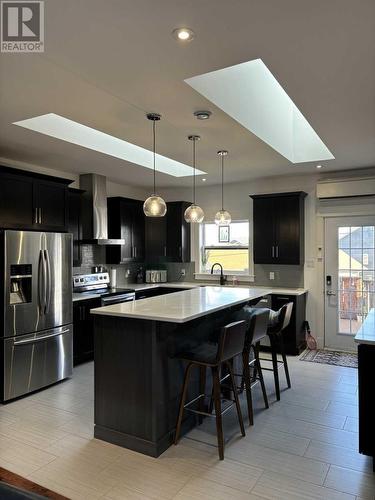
[{"x": 247, "y": 275}]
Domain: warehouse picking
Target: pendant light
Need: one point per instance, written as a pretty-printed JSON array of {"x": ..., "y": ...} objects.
[
  {"x": 222, "y": 217},
  {"x": 154, "y": 206},
  {"x": 194, "y": 213}
]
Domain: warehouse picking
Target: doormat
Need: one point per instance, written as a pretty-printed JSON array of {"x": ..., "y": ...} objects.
[
  {"x": 11, "y": 484},
  {"x": 331, "y": 358}
]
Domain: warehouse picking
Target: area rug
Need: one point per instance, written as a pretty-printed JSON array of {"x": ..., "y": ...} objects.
[
  {"x": 331, "y": 358},
  {"x": 24, "y": 485}
]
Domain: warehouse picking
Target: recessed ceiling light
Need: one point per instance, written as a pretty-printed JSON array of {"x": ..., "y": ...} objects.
[
  {"x": 204, "y": 179},
  {"x": 70, "y": 131},
  {"x": 183, "y": 34},
  {"x": 251, "y": 95},
  {"x": 202, "y": 115},
  {"x": 319, "y": 166}
]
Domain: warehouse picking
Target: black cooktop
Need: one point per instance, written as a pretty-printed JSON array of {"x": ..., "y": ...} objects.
[{"x": 107, "y": 292}]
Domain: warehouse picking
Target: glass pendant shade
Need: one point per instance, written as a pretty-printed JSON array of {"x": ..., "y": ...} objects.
[
  {"x": 154, "y": 206},
  {"x": 223, "y": 218},
  {"x": 194, "y": 214}
]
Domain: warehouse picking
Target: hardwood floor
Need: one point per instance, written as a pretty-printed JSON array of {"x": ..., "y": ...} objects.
[{"x": 303, "y": 447}]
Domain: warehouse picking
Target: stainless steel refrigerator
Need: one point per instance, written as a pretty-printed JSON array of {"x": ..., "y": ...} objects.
[{"x": 36, "y": 342}]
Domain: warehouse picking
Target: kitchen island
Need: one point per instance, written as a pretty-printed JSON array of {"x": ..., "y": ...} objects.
[{"x": 137, "y": 378}]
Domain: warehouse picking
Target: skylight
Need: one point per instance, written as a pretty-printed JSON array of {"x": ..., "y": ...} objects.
[
  {"x": 70, "y": 131},
  {"x": 250, "y": 94}
]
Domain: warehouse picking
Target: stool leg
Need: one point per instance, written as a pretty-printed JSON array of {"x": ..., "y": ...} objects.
[
  {"x": 238, "y": 406},
  {"x": 282, "y": 350},
  {"x": 247, "y": 378},
  {"x": 217, "y": 402},
  {"x": 182, "y": 402},
  {"x": 259, "y": 370},
  {"x": 202, "y": 390},
  {"x": 275, "y": 366}
]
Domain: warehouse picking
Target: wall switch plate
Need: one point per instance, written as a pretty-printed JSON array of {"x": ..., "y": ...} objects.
[
  {"x": 272, "y": 275},
  {"x": 183, "y": 272}
]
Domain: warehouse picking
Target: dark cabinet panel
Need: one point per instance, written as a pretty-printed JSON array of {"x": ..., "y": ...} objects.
[
  {"x": 156, "y": 239},
  {"x": 75, "y": 222},
  {"x": 16, "y": 201},
  {"x": 294, "y": 334},
  {"x": 32, "y": 201},
  {"x": 178, "y": 232},
  {"x": 279, "y": 228},
  {"x": 83, "y": 330},
  {"x": 126, "y": 220},
  {"x": 51, "y": 200}
]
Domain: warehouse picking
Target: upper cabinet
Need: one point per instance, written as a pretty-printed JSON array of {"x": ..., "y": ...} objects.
[
  {"x": 178, "y": 232},
  {"x": 126, "y": 220},
  {"x": 33, "y": 201},
  {"x": 279, "y": 228},
  {"x": 75, "y": 222}
]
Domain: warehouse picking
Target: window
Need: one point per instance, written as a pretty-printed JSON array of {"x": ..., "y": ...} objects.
[{"x": 228, "y": 245}]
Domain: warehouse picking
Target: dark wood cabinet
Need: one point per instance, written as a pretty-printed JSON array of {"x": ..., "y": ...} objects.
[
  {"x": 178, "y": 232},
  {"x": 156, "y": 239},
  {"x": 16, "y": 201},
  {"x": 279, "y": 228},
  {"x": 126, "y": 220},
  {"x": 366, "y": 408},
  {"x": 75, "y": 222},
  {"x": 83, "y": 330},
  {"x": 33, "y": 201}
]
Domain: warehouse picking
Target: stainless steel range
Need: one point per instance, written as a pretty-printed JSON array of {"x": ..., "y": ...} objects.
[
  {"x": 99, "y": 283},
  {"x": 36, "y": 331}
]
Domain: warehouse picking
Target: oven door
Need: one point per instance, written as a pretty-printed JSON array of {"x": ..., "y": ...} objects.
[
  {"x": 117, "y": 299},
  {"x": 36, "y": 360}
]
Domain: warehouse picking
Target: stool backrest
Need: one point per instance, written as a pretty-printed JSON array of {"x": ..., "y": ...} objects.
[
  {"x": 231, "y": 340},
  {"x": 283, "y": 317},
  {"x": 258, "y": 326}
]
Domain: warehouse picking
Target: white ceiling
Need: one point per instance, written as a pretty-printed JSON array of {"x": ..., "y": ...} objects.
[{"x": 109, "y": 62}]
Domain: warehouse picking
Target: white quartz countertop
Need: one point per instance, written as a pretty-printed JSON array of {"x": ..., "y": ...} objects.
[
  {"x": 366, "y": 334},
  {"x": 183, "y": 306}
]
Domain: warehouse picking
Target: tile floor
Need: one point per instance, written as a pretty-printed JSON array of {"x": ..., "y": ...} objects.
[{"x": 304, "y": 447}]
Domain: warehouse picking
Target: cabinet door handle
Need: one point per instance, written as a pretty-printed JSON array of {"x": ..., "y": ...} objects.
[
  {"x": 180, "y": 251},
  {"x": 135, "y": 252},
  {"x": 35, "y": 215},
  {"x": 165, "y": 251},
  {"x": 273, "y": 252},
  {"x": 277, "y": 251},
  {"x": 40, "y": 215}
]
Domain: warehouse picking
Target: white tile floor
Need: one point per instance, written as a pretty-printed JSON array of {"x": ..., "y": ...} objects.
[{"x": 304, "y": 447}]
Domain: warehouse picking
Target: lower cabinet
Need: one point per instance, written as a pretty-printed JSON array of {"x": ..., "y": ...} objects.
[{"x": 83, "y": 330}]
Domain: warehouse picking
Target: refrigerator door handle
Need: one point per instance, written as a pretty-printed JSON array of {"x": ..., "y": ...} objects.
[
  {"x": 48, "y": 281},
  {"x": 41, "y": 282},
  {"x": 37, "y": 339}
]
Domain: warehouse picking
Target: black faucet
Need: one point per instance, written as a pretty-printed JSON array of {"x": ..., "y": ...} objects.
[{"x": 223, "y": 278}]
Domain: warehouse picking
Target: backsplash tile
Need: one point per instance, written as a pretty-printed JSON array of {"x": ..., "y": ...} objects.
[{"x": 285, "y": 276}]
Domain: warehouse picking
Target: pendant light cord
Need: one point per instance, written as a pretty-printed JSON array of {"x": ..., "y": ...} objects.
[
  {"x": 222, "y": 182},
  {"x": 154, "y": 142},
  {"x": 194, "y": 172}
]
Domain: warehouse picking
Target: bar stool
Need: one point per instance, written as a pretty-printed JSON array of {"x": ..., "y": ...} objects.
[
  {"x": 278, "y": 322},
  {"x": 256, "y": 331},
  {"x": 230, "y": 344}
]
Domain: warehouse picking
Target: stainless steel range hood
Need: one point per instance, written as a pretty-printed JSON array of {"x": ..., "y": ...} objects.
[{"x": 94, "y": 211}]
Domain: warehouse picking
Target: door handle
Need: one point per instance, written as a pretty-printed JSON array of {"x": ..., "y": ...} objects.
[
  {"x": 38, "y": 339},
  {"x": 48, "y": 281},
  {"x": 330, "y": 292},
  {"x": 42, "y": 282}
]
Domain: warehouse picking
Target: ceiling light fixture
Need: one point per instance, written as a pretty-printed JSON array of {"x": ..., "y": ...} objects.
[
  {"x": 319, "y": 166},
  {"x": 204, "y": 179},
  {"x": 202, "y": 115},
  {"x": 154, "y": 206},
  {"x": 222, "y": 217},
  {"x": 183, "y": 34},
  {"x": 194, "y": 213}
]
